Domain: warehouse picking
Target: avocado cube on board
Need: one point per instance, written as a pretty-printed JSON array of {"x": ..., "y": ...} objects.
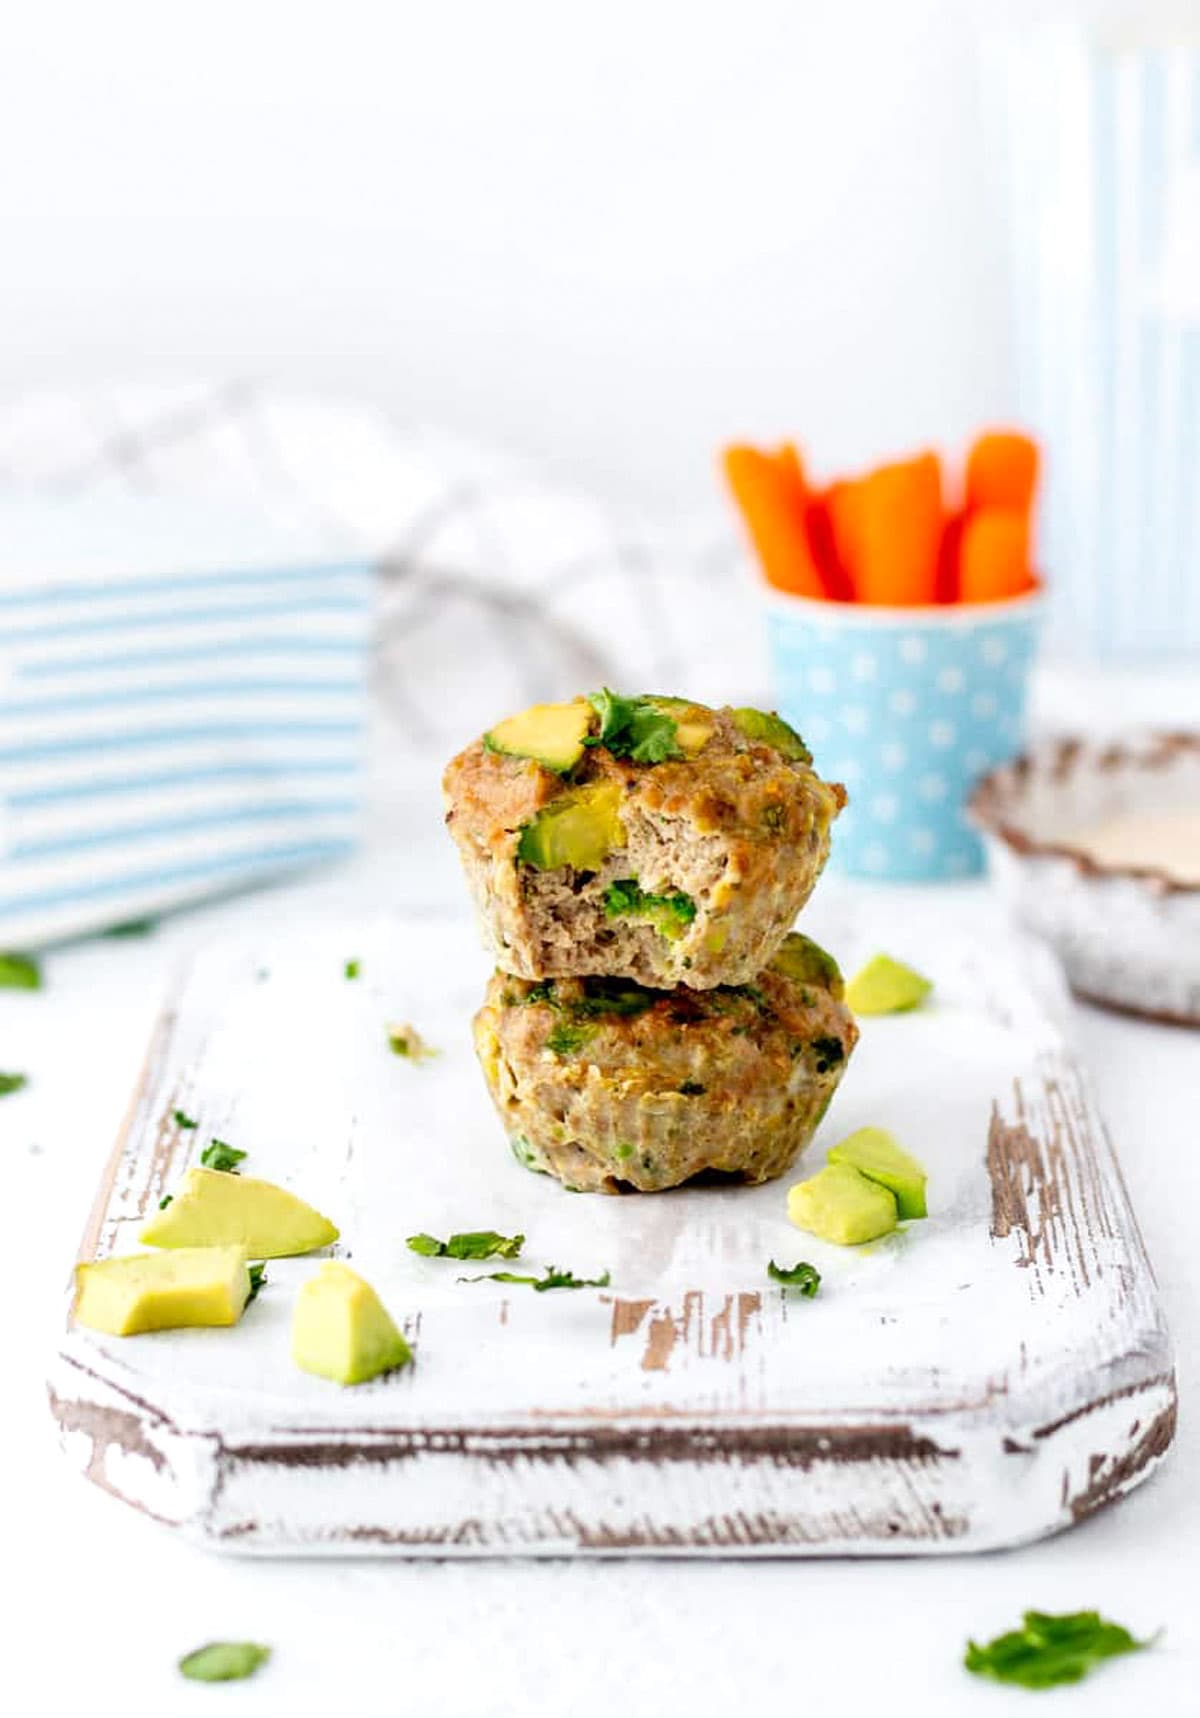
[
  {"x": 580, "y": 828},
  {"x": 886, "y": 986},
  {"x": 342, "y": 1330},
  {"x": 551, "y": 734},
  {"x": 841, "y": 1205},
  {"x": 875, "y": 1153},
  {"x": 162, "y": 1291},
  {"x": 214, "y": 1209}
]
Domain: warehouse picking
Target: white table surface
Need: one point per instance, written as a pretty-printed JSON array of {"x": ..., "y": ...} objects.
[{"x": 103, "y": 1601}]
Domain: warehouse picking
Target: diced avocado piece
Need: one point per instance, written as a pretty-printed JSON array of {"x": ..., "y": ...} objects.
[
  {"x": 341, "y": 1329},
  {"x": 886, "y": 986},
  {"x": 580, "y": 828},
  {"x": 765, "y": 728},
  {"x": 808, "y": 963},
  {"x": 551, "y": 734},
  {"x": 840, "y": 1204},
  {"x": 875, "y": 1153},
  {"x": 693, "y": 723},
  {"x": 692, "y": 737},
  {"x": 213, "y": 1209},
  {"x": 162, "y": 1291}
]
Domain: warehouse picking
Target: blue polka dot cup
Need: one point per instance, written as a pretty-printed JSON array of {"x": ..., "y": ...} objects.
[{"x": 908, "y": 707}]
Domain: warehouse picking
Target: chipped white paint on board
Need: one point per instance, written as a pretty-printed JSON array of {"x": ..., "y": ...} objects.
[{"x": 975, "y": 1380}]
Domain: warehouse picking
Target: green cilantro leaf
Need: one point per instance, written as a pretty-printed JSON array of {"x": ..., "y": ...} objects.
[
  {"x": 475, "y": 1244},
  {"x": 670, "y": 913},
  {"x": 553, "y": 1278},
  {"x": 807, "y": 1278},
  {"x": 12, "y": 1083},
  {"x": 258, "y": 1280},
  {"x": 633, "y": 728},
  {"x": 565, "y": 1040},
  {"x": 1047, "y": 1651},
  {"x": 182, "y": 1120},
  {"x": 218, "y": 1155},
  {"x": 19, "y": 972},
  {"x": 224, "y": 1661},
  {"x": 827, "y": 1052},
  {"x": 352, "y": 968},
  {"x": 620, "y": 996}
]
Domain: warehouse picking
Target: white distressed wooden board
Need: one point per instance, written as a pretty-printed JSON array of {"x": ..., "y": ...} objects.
[{"x": 982, "y": 1378}]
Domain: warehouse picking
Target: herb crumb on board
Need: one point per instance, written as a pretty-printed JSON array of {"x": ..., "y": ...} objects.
[{"x": 404, "y": 1040}]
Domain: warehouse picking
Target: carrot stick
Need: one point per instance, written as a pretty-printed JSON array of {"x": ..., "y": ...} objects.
[
  {"x": 994, "y": 563},
  {"x": 822, "y": 541},
  {"x": 899, "y": 532},
  {"x": 845, "y": 500},
  {"x": 1002, "y": 471},
  {"x": 771, "y": 494},
  {"x": 947, "y": 579}
]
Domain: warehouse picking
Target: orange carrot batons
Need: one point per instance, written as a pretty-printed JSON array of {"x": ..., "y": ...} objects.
[
  {"x": 1002, "y": 471},
  {"x": 994, "y": 561},
  {"x": 899, "y": 532},
  {"x": 771, "y": 494}
]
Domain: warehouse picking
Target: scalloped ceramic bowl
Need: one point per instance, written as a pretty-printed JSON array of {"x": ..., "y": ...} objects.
[{"x": 1127, "y": 933}]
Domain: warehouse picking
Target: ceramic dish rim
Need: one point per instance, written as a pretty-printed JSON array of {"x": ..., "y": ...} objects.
[{"x": 992, "y": 797}]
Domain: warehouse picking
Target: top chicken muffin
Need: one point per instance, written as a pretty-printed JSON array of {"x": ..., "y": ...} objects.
[{"x": 649, "y": 838}]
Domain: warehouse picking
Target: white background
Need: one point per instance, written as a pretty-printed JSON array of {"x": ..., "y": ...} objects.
[{"x": 613, "y": 236}]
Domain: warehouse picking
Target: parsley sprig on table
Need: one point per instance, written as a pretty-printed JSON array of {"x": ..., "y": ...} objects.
[
  {"x": 1047, "y": 1650},
  {"x": 633, "y": 728},
  {"x": 806, "y": 1278},
  {"x": 553, "y": 1278},
  {"x": 218, "y": 1155},
  {"x": 12, "y": 1083},
  {"x": 474, "y": 1244}
]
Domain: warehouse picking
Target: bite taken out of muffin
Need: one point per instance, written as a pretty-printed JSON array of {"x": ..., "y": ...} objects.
[{"x": 636, "y": 865}]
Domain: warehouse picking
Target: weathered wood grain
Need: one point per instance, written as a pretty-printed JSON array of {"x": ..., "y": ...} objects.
[{"x": 979, "y": 1379}]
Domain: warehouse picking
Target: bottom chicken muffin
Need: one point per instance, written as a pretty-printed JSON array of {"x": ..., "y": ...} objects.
[{"x": 613, "y": 1087}]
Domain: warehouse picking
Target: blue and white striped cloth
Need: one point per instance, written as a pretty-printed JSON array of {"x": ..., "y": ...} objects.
[
  {"x": 183, "y": 710},
  {"x": 188, "y": 600},
  {"x": 1099, "y": 133}
]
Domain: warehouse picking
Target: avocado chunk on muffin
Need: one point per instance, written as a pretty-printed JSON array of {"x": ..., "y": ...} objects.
[
  {"x": 651, "y": 838},
  {"x": 612, "y": 1086}
]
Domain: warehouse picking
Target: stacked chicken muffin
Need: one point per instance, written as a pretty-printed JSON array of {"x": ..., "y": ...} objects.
[{"x": 636, "y": 864}]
